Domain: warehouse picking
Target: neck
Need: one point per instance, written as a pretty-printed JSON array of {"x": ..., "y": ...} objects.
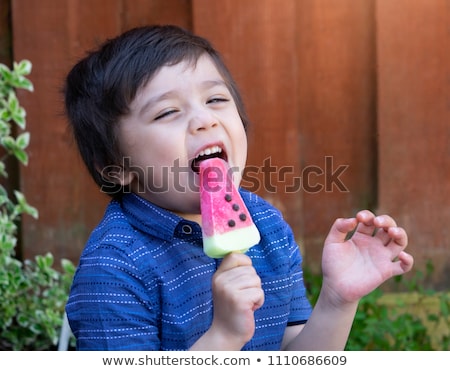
[{"x": 192, "y": 217}]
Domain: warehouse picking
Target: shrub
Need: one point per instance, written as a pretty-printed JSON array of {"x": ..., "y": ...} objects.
[{"x": 33, "y": 294}]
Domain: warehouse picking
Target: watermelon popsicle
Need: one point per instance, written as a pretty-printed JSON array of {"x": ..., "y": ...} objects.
[{"x": 226, "y": 222}]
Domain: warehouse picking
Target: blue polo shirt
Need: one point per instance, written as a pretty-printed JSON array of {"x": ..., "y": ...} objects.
[{"x": 144, "y": 283}]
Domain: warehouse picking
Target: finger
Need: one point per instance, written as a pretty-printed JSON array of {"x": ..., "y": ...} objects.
[
  {"x": 383, "y": 236},
  {"x": 384, "y": 221},
  {"x": 366, "y": 224},
  {"x": 404, "y": 263},
  {"x": 340, "y": 229},
  {"x": 257, "y": 297},
  {"x": 234, "y": 260},
  {"x": 398, "y": 236},
  {"x": 236, "y": 274},
  {"x": 383, "y": 224},
  {"x": 245, "y": 277}
]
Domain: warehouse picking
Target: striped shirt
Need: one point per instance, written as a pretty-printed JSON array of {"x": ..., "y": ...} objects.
[{"x": 144, "y": 283}]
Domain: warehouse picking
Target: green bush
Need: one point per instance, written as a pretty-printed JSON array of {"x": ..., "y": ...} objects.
[
  {"x": 33, "y": 294},
  {"x": 410, "y": 318}
]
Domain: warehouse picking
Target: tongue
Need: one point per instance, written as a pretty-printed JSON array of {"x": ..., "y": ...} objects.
[{"x": 196, "y": 163}]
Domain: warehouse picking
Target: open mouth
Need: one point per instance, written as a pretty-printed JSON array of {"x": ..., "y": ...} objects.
[{"x": 210, "y": 152}]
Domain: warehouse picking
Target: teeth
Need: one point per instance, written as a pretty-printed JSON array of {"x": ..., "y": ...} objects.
[{"x": 209, "y": 151}]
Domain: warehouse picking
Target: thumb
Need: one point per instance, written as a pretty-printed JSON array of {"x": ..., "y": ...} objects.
[{"x": 340, "y": 229}]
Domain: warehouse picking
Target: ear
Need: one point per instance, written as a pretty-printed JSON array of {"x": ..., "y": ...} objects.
[{"x": 117, "y": 175}]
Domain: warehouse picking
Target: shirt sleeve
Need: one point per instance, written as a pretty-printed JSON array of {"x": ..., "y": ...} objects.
[
  {"x": 300, "y": 305},
  {"x": 109, "y": 304}
]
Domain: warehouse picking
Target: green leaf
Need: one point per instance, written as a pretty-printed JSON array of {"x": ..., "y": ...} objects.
[
  {"x": 13, "y": 102},
  {"x": 44, "y": 262},
  {"x": 17, "y": 79},
  {"x": 23, "y": 67},
  {"x": 23, "y": 83},
  {"x": 5, "y": 128},
  {"x": 68, "y": 266},
  {"x": 24, "y": 207},
  {"x": 9, "y": 143},
  {"x": 3, "y": 199},
  {"x": 3, "y": 172},
  {"x": 7, "y": 243},
  {"x": 21, "y": 155},
  {"x": 5, "y": 73},
  {"x": 5, "y": 115},
  {"x": 23, "y": 140},
  {"x": 20, "y": 198},
  {"x": 19, "y": 117},
  {"x": 4, "y": 69}
]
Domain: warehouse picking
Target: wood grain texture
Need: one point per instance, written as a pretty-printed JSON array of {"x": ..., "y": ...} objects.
[
  {"x": 328, "y": 84},
  {"x": 413, "y": 48}
]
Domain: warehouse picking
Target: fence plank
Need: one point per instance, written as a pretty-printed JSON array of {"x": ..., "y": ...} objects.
[
  {"x": 414, "y": 125},
  {"x": 57, "y": 33},
  {"x": 336, "y": 54},
  {"x": 55, "y": 181},
  {"x": 306, "y": 70},
  {"x": 257, "y": 39}
]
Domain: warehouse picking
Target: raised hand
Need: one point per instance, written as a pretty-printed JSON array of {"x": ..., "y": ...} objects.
[{"x": 375, "y": 252}]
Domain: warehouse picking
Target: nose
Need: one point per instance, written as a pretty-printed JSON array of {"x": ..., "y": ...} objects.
[{"x": 201, "y": 121}]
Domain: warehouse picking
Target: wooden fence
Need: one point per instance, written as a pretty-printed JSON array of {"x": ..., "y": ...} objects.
[{"x": 349, "y": 102}]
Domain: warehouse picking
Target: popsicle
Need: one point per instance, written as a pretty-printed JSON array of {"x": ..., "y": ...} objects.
[{"x": 226, "y": 222}]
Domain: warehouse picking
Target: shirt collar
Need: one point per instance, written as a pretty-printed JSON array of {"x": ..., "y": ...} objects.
[{"x": 148, "y": 217}]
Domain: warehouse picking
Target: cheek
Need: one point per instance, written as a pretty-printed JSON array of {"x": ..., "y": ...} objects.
[
  {"x": 240, "y": 153},
  {"x": 242, "y": 144},
  {"x": 155, "y": 147}
]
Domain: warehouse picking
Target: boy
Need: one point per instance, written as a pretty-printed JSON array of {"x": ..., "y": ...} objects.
[{"x": 145, "y": 109}]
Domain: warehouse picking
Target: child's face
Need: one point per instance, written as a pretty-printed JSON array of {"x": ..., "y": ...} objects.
[{"x": 182, "y": 111}]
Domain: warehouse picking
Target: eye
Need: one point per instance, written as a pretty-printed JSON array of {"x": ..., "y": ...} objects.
[
  {"x": 216, "y": 99},
  {"x": 165, "y": 113}
]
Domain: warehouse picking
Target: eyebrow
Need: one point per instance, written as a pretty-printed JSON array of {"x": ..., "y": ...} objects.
[
  {"x": 213, "y": 83},
  {"x": 146, "y": 106},
  {"x": 207, "y": 84}
]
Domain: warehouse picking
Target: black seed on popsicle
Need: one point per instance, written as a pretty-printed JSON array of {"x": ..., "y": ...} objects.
[
  {"x": 231, "y": 223},
  {"x": 228, "y": 197},
  {"x": 235, "y": 207},
  {"x": 243, "y": 217}
]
